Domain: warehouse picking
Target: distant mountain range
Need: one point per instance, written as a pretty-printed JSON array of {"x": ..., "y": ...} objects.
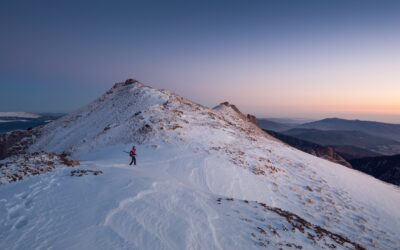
[
  {"x": 379, "y": 129},
  {"x": 370, "y": 147},
  {"x": 354, "y": 138},
  {"x": 10, "y": 121},
  {"x": 293, "y": 121},
  {"x": 275, "y": 126},
  {"x": 324, "y": 152},
  {"x": 385, "y": 168}
]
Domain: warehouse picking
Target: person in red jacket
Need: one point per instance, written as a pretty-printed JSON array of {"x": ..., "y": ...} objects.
[{"x": 132, "y": 154}]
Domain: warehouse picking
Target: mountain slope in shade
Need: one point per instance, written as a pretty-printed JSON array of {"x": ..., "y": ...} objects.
[
  {"x": 351, "y": 152},
  {"x": 274, "y": 126},
  {"x": 323, "y": 152},
  {"x": 206, "y": 179},
  {"x": 385, "y": 168},
  {"x": 379, "y": 129},
  {"x": 293, "y": 121},
  {"x": 358, "y": 139}
]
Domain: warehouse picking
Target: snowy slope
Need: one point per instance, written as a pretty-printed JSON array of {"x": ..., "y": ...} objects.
[{"x": 206, "y": 179}]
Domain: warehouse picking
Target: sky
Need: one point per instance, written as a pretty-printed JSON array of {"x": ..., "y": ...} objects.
[{"x": 304, "y": 59}]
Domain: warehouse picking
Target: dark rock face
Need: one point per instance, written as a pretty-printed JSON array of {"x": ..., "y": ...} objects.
[
  {"x": 131, "y": 81},
  {"x": 252, "y": 119},
  {"x": 385, "y": 168},
  {"x": 82, "y": 172},
  {"x": 231, "y": 106},
  {"x": 16, "y": 142},
  {"x": 121, "y": 84},
  {"x": 21, "y": 166},
  {"x": 324, "y": 152}
]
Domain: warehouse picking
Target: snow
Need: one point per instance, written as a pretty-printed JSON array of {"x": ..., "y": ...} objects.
[
  {"x": 202, "y": 178},
  {"x": 19, "y": 114}
]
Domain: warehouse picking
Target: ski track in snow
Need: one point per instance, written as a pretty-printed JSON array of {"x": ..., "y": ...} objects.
[
  {"x": 19, "y": 210},
  {"x": 168, "y": 204},
  {"x": 159, "y": 232}
]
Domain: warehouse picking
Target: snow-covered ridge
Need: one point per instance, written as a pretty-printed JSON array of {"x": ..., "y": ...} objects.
[
  {"x": 135, "y": 113},
  {"x": 206, "y": 179},
  {"x": 19, "y": 115}
]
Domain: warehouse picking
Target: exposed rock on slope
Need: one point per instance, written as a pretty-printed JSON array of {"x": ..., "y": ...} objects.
[
  {"x": 16, "y": 142},
  {"x": 271, "y": 235},
  {"x": 18, "y": 167}
]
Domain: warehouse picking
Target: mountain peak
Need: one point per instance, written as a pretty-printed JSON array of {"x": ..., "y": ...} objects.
[
  {"x": 131, "y": 112},
  {"x": 226, "y": 107},
  {"x": 226, "y": 104},
  {"x": 128, "y": 83}
]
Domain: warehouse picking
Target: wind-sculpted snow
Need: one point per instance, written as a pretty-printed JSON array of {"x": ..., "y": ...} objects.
[
  {"x": 267, "y": 227},
  {"x": 206, "y": 179}
]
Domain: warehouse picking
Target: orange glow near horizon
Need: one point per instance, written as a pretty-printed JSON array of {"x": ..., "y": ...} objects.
[{"x": 360, "y": 85}]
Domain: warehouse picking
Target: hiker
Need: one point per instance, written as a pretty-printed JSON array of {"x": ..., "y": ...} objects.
[{"x": 132, "y": 154}]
